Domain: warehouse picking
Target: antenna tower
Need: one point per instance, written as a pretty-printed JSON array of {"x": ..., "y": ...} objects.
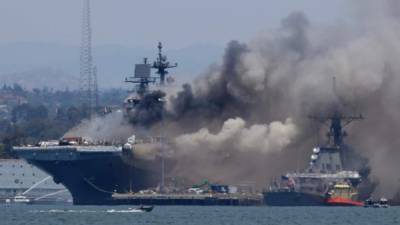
[
  {"x": 86, "y": 60},
  {"x": 336, "y": 120},
  {"x": 95, "y": 88}
]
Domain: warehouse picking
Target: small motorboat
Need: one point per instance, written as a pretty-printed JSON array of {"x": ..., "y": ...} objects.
[
  {"x": 145, "y": 208},
  {"x": 21, "y": 199},
  {"x": 382, "y": 203}
]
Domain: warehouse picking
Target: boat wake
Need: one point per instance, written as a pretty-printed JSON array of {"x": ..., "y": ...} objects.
[
  {"x": 125, "y": 211},
  {"x": 62, "y": 211},
  {"x": 129, "y": 210}
]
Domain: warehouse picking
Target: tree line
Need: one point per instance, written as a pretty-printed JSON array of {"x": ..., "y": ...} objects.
[{"x": 45, "y": 114}]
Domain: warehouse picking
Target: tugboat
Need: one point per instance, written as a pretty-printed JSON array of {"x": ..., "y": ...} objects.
[
  {"x": 343, "y": 194},
  {"x": 325, "y": 181}
]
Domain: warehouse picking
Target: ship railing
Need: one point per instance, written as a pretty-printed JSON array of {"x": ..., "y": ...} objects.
[
  {"x": 150, "y": 140},
  {"x": 339, "y": 175}
]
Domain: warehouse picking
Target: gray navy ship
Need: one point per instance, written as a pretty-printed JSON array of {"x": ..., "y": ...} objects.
[
  {"x": 94, "y": 172},
  {"x": 327, "y": 180}
]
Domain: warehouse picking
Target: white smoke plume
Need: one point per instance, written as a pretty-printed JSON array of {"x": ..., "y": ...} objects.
[
  {"x": 235, "y": 135},
  {"x": 221, "y": 156},
  {"x": 112, "y": 128}
]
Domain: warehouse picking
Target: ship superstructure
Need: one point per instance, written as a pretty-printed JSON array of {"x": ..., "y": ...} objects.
[
  {"x": 326, "y": 180},
  {"x": 143, "y": 78}
]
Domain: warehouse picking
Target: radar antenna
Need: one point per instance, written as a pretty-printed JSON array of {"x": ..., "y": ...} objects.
[
  {"x": 142, "y": 77},
  {"x": 162, "y": 64},
  {"x": 336, "y": 121}
]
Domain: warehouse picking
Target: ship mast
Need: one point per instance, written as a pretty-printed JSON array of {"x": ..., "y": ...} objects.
[
  {"x": 336, "y": 122},
  {"x": 142, "y": 76},
  {"x": 162, "y": 64}
]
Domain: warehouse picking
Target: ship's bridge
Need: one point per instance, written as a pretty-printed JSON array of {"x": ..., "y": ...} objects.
[{"x": 326, "y": 160}]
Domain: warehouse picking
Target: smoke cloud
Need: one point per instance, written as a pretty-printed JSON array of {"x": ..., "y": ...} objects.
[
  {"x": 111, "y": 128},
  {"x": 222, "y": 156},
  {"x": 246, "y": 118},
  {"x": 287, "y": 73},
  {"x": 235, "y": 135}
]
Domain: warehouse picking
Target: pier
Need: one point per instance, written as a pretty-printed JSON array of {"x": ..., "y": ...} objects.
[{"x": 189, "y": 199}]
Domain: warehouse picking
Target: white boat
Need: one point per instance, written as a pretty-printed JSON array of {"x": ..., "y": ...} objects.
[
  {"x": 21, "y": 199},
  {"x": 17, "y": 176}
]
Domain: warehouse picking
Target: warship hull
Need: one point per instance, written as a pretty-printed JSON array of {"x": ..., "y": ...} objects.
[
  {"x": 91, "y": 176},
  {"x": 293, "y": 198}
]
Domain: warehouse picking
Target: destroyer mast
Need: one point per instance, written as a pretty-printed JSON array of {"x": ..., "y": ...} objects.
[{"x": 336, "y": 122}]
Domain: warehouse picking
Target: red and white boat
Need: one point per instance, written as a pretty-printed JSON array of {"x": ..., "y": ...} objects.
[{"x": 342, "y": 194}]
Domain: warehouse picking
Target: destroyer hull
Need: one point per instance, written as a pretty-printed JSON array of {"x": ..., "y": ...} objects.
[
  {"x": 293, "y": 199},
  {"x": 306, "y": 199}
]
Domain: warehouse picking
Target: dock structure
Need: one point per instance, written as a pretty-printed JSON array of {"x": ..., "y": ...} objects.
[{"x": 189, "y": 199}]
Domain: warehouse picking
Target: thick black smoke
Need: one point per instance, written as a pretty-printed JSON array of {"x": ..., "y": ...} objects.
[
  {"x": 217, "y": 103},
  {"x": 149, "y": 110},
  {"x": 232, "y": 125}
]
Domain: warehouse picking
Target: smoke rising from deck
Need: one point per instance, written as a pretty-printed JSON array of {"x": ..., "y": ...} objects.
[{"x": 112, "y": 128}]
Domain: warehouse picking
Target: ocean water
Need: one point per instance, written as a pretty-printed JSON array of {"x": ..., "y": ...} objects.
[{"x": 196, "y": 215}]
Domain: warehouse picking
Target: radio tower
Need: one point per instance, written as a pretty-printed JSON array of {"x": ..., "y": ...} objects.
[
  {"x": 95, "y": 89},
  {"x": 86, "y": 68}
]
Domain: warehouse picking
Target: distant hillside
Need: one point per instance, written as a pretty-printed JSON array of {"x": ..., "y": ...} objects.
[
  {"x": 40, "y": 78},
  {"x": 36, "y": 64}
]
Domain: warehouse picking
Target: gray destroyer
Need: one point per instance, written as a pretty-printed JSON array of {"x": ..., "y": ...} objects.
[{"x": 327, "y": 180}]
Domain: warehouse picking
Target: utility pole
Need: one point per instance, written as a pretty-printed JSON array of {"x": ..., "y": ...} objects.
[
  {"x": 163, "y": 138},
  {"x": 95, "y": 89}
]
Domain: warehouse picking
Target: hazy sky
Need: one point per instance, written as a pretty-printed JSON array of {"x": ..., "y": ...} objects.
[{"x": 134, "y": 23}]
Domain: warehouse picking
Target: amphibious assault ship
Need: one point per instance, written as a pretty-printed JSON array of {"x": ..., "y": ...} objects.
[
  {"x": 94, "y": 172},
  {"x": 327, "y": 180}
]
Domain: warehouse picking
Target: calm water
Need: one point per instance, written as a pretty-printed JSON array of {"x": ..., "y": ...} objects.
[{"x": 181, "y": 215}]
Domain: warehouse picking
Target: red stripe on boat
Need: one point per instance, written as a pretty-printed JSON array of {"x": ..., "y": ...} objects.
[{"x": 343, "y": 202}]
